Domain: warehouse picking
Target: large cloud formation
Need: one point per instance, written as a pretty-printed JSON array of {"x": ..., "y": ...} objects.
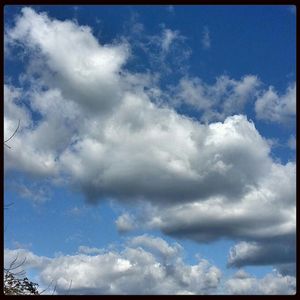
[
  {"x": 146, "y": 265},
  {"x": 89, "y": 121},
  {"x": 271, "y": 106},
  {"x": 216, "y": 101},
  {"x": 243, "y": 283}
]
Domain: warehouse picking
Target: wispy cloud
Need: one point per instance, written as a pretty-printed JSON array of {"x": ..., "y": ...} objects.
[
  {"x": 170, "y": 8},
  {"x": 271, "y": 106},
  {"x": 206, "y": 40},
  {"x": 167, "y": 39}
]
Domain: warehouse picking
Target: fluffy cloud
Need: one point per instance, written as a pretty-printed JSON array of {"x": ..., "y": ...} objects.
[
  {"x": 135, "y": 270},
  {"x": 145, "y": 265},
  {"x": 264, "y": 218},
  {"x": 14, "y": 112},
  {"x": 217, "y": 101},
  {"x": 95, "y": 126},
  {"x": 271, "y": 284},
  {"x": 96, "y": 153},
  {"x": 75, "y": 62},
  {"x": 273, "y": 107},
  {"x": 217, "y": 216},
  {"x": 157, "y": 245},
  {"x": 166, "y": 52},
  {"x": 125, "y": 223},
  {"x": 259, "y": 254},
  {"x": 24, "y": 155},
  {"x": 23, "y": 259}
]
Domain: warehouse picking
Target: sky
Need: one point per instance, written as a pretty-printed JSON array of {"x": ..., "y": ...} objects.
[{"x": 156, "y": 148}]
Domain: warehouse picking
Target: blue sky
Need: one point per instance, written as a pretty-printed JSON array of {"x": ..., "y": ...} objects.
[{"x": 155, "y": 138}]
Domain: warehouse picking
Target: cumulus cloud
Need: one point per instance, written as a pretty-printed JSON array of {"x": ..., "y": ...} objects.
[
  {"x": 145, "y": 265},
  {"x": 157, "y": 245},
  {"x": 96, "y": 153},
  {"x": 264, "y": 218},
  {"x": 14, "y": 111},
  {"x": 223, "y": 217},
  {"x": 125, "y": 223},
  {"x": 272, "y": 284},
  {"x": 79, "y": 74},
  {"x": 29, "y": 259},
  {"x": 137, "y": 269},
  {"x": 98, "y": 130},
  {"x": 246, "y": 253},
  {"x": 225, "y": 97},
  {"x": 271, "y": 106}
]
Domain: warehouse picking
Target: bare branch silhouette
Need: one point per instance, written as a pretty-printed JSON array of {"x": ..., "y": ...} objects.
[
  {"x": 47, "y": 287},
  {"x": 15, "y": 283},
  {"x": 54, "y": 290},
  {"x": 8, "y": 205},
  {"x": 12, "y": 135},
  {"x": 69, "y": 287}
]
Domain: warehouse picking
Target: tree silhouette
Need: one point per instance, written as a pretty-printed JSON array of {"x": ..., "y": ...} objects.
[{"x": 15, "y": 282}]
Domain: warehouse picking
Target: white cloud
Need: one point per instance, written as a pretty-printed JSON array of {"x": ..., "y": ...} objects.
[
  {"x": 157, "y": 245},
  {"x": 292, "y": 142},
  {"x": 269, "y": 231},
  {"x": 90, "y": 250},
  {"x": 133, "y": 270},
  {"x": 95, "y": 154},
  {"x": 23, "y": 259},
  {"x": 271, "y": 106},
  {"x": 101, "y": 133},
  {"x": 217, "y": 101},
  {"x": 176, "y": 170},
  {"x": 14, "y": 111},
  {"x": 253, "y": 253},
  {"x": 79, "y": 66},
  {"x": 206, "y": 41},
  {"x": 36, "y": 194},
  {"x": 146, "y": 265},
  {"x": 168, "y": 37},
  {"x": 125, "y": 223},
  {"x": 271, "y": 284},
  {"x": 192, "y": 92},
  {"x": 221, "y": 216}
]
